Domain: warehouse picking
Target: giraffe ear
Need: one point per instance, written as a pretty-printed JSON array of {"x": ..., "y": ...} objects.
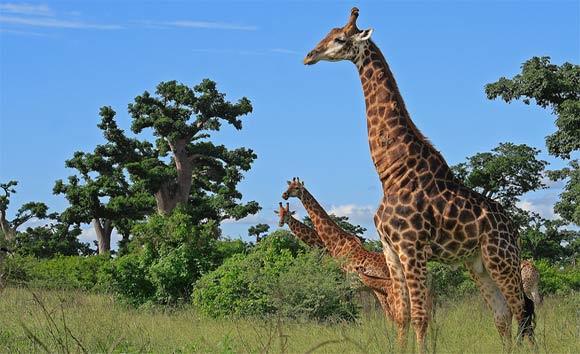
[
  {"x": 292, "y": 212},
  {"x": 289, "y": 183},
  {"x": 363, "y": 35},
  {"x": 276, "y": 212}
]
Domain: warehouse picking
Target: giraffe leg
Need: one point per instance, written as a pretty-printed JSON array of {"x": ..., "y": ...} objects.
[
  {"x": 535, "y": 295},
  {"x": 414, "y": 261},
  {"x": 400, "y": 307},
  {"x": 494, "y": 299},
  {"x": 502, "y": 262},
  {"x": 402, "y": 324}
]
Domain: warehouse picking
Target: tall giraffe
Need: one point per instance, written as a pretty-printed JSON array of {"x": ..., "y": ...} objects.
[
  {"x": 369, "y": 266},
  {"x": 425, "y": 212}
]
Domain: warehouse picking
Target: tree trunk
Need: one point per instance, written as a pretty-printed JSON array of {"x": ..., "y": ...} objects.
[
  {"x": 177, "y": 191},
  {"x": 9, "y": 232},
  {"x": 103, "y": 228}
]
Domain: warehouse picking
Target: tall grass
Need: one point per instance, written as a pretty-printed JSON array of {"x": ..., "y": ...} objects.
[{"x": 69, "y": 321}]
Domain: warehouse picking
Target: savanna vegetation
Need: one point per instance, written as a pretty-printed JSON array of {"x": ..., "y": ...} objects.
[{"x": 175, "y": 283}]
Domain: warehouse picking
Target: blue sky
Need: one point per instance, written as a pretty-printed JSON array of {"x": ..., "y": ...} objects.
[{"x": 60, "y": 61}]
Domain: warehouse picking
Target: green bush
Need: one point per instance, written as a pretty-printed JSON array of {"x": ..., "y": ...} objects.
[
  {"x": 557, "y": 280},
  {"x": 61, "y": 272},
  {"x": 449, "y": 283},
  {"x": 279, "y": 277},
  {"x": 168, "y": 254}
]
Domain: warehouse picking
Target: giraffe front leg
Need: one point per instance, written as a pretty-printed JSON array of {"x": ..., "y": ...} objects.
[
  {"x": 399, "y": 294},
  {"x": 414, "y": 262}
]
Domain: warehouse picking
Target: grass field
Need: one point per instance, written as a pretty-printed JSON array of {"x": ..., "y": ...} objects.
[{"x": 39, "y": 320}]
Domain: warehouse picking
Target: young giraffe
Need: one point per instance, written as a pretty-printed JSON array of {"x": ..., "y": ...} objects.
[
  {"x": 426, "y": 213},
  {"x": 307, "y": 234},
  {"x": 369, "y": 266},
  {"x": 531, "y": 280}
]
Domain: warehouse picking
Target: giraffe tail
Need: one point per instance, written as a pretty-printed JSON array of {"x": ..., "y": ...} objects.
[{"x": 528, "y": 323}]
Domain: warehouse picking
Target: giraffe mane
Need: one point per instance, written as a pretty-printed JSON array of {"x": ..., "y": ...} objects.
[{"x": 403, "y": 107}]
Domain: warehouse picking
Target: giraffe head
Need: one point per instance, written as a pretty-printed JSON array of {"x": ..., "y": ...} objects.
[
  {"x": 284, "y": 214},
  {"x": 341, "y": 43},
  {"x": 295, "y": 189}
]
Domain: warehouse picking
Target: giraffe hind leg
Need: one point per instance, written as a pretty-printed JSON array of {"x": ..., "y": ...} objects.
[
  {"x": 494, "y": 299},
  {"x": 504, "y": 270}
]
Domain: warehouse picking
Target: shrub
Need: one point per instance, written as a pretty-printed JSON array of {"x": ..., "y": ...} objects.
[
  {"x": 61, "y": 272},
  {"x": 557, "y": 280},
  {"x": 277, "y": 278},
  {"x": 169, "y": 253},
  {"x": 449, "y": 283}
]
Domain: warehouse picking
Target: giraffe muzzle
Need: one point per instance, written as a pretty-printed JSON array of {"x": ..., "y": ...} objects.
[
  {"x": 311, "y": 58},
  {"x": 285, "y": 196}
]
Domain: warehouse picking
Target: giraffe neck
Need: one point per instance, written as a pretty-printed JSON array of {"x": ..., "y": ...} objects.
[
  {"x": 305, "y": 233},
  {"x": 336, "y": 240},
  {"x": 393, "y": 137}
]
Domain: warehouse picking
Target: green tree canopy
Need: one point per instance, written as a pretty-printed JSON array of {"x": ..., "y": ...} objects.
[
  {"x": 568, "y": 207},
  {"x": 546, "y": 239},
  {"x": 56, "y": 238},
  {"x": 505, "y": 173},
  {"x": 26, "y": 212},
  {"x": 550, "y": 86},
  {"x": 558, "y": 88},
  {"x": 258, "y": 230},
  {"x": 100, "y": 192},
  {"x": 183, "y": 166}
]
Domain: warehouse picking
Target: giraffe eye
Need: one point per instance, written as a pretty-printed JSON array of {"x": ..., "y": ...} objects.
[{"x": 339, "y": 40}]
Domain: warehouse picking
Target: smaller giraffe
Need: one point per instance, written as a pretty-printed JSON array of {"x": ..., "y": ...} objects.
[
  {"x": 530, "y": 281},
  {"x": 305, "y": 233},
  {"x": 371, "y": 267}
]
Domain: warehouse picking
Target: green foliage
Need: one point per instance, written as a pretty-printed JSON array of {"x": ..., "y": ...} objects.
[
  {"x": 170, "y": 252},
  {"x": 102, "y": 194},
  {"x": 568, "y": 207},
  {"x": 557, "y": 280},
  {"x": 228, "y": 248},
  {"x": 257, "y": 230},
  {"x": 128, "y": 278},
  {"x": 373, "y": 245},
  {"x": 60, "y": 272},
  {"x": 26, "y": 212},
  {"x": 553, "y": 86},
  {"x": 449, "y": 283},
  {"x": 51, "y": 240},
  {"x": 504, "y": 174},
  {"x": 182, "y": 118},
  {"x": 277, "y": 278},
  {"x": 556, "y": 87},
  {"x": 545, "y": 239}
]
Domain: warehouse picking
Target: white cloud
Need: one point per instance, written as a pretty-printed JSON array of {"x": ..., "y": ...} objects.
[
  {"x": 259, "y": 218},
  {"x": 245, "y": 52},
  {"x": 23, "y": 33},
  {"x": 553, "y": 184},
  {"x": 34, "y": 222},
  {"x": 284, "y": 51},
  {"x": 543, "y": 206},
  {"x": 55, "y": 23},
  {"x": 356, "y": 213},
  {"x": 199, "y": 24},
  {"x": 26, "y": 9}
]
